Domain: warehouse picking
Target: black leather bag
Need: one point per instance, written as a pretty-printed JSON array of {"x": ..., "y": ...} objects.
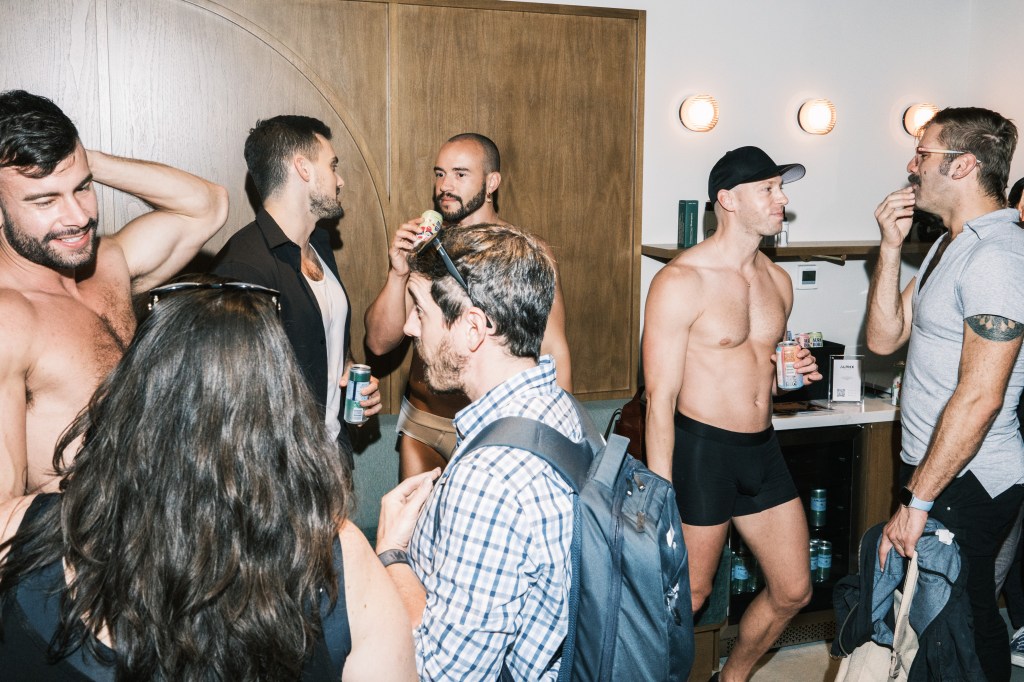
[{"x": 632, "y": 423}]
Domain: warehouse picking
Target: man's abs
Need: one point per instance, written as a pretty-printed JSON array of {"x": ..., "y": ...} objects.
[{"x": 728, "y": 389}]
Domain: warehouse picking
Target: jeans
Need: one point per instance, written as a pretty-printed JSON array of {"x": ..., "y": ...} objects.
[{"x": 980, "y": 523}]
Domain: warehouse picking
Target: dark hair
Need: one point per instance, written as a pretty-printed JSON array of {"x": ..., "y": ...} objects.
[
  {"x": 510, "y": 276},
  {"x": 200, "y": 513},
  {"x": 35, "y": 135},
  {"x": 1013, "y": 200},
  {"x": 272, "y": 144},
  {"x": 991, "y": 137},
  {"x": 492, "y": 159}
]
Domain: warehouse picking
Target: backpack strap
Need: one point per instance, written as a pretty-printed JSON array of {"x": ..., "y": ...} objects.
[
  {"x": 571, "y": 460},
  {"x": 573, "y": 463}
]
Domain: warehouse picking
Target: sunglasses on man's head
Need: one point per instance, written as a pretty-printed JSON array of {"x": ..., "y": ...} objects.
[
  {"x": 178, "y": 287},
  {"x": 450, "y": 267}
]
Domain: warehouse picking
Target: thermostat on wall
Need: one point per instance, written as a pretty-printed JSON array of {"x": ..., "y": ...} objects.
[{"x": 806, "y": 276}]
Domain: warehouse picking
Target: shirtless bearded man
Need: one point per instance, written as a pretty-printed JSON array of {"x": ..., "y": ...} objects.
[
  {"x": 466, "y": 178},
  {"x": 713, "y": 318},
  {"x": 65, "y": 292}
]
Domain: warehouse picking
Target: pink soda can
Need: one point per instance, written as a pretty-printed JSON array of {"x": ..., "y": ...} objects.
[{"x": 785, "y": 366}]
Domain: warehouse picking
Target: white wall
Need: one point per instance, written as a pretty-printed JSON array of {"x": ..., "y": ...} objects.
[
  {"x": 997, "y": 62},
  {"x": 761, "y": 60}
]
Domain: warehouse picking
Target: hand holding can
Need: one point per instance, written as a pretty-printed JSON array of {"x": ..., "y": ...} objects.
[
  {"x": 358, "y": 379},
  {"x": 430, "y": 225},
  {"x": 785, "y": 361}
]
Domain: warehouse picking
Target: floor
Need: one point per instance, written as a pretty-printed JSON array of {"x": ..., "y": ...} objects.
[{"x": 811, "y": 663}]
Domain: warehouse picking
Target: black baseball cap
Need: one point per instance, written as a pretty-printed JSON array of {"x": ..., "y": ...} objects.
[{"x": 748, "y": 164}]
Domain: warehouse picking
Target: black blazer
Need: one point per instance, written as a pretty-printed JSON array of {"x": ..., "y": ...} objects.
[{"x": 261, "y": 253}]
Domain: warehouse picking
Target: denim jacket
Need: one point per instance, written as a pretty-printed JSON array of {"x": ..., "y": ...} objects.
[{"x": 939, "y": 613}]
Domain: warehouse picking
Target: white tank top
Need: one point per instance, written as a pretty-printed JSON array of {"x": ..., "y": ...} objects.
[{"x": 334, "y": 309}]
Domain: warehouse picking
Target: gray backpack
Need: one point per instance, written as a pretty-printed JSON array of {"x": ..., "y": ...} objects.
[{"x": 629, "y": 602}]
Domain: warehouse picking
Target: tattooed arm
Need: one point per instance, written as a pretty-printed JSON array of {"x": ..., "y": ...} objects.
[{"x": 991, "y": 344}]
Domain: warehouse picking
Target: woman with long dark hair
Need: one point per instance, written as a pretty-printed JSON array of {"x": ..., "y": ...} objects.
[{"x": 201, "y": 530}]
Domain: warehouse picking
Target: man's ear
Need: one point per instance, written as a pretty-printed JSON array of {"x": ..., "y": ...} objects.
[
  {"x": 493, "y": 180},
  {"x": 962, "y": 166},
  {"x": 727, "y": 200},
  {"x": 302, "y": 166},
  {"x": 476, "y": 328}
]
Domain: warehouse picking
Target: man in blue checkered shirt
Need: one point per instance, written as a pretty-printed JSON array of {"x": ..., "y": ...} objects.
[{"x": 481, "y": 559}]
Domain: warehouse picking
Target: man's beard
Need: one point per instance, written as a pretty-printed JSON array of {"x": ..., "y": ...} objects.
[
  {"x": 443, "y": 370},
  {"x": 325, "y": 207},
  {"x": 465, "y": 209},
  {"x": 43, "y": 253}
]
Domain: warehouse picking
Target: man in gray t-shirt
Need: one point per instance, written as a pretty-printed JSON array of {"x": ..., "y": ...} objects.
[{"x": 963, "y": 458}]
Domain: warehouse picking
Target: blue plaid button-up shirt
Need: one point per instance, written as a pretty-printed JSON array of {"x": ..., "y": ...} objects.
[{"x": 497, "y": 571}]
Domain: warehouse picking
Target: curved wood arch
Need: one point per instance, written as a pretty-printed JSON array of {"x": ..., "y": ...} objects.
[{"x": 318, "y": 83}]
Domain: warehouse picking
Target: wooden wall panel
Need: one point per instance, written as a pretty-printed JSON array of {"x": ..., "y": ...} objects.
[
  {"x": 215, "y": 77},
  {"x": 51, "y": 48},
  {"x": 558, "y": 94},
  {"x": 557, "y": 87}
]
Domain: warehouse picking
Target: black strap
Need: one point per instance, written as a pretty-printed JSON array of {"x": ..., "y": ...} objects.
[{"x": 571, "y": 460}]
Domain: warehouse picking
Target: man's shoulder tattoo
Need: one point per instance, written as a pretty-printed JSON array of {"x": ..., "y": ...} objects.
[{"x": 995, "y": 328}]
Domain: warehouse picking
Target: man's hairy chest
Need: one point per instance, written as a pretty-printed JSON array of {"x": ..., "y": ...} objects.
[{"x": 75, "y": 343}]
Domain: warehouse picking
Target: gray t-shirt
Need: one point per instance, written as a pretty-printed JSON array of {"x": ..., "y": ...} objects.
[{"x": 981, "y": 273}]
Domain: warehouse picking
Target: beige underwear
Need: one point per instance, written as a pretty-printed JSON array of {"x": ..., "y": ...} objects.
[{"x": 437, "y": 432}]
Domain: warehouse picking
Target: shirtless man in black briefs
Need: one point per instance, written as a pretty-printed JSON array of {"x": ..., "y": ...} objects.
[{"x": 713, "y": 318}]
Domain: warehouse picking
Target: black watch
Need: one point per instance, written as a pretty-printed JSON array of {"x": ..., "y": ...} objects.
[{"x": 908, "y": 499}]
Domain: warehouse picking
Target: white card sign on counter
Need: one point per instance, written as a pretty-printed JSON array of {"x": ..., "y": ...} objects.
[{"x": 846, "y": 381}]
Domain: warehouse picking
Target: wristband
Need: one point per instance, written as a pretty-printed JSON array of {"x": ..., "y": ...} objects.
[
  {"x": 908, "y": 499},
  {"x": 393, "y": 556}
]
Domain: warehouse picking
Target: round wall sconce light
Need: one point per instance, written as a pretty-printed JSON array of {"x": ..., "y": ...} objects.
[
  {"x": 699, "y": 113},
  {"x": 916, "y": 116},
  {"x": 817, "y": 116}
]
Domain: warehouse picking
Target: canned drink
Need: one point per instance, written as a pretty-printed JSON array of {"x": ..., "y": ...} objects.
[
  {"x": 824, "y": 561},
  {"x": 816, "y": 339},
  {"x": 740, "y": 573},
  {"x": 754, "y": 577},
  {"x": 803, "y": 339},
  {"x": 430, "y": 225},
  {"x": 814, "y": 558},
  {"x": 358, "y": 379},
  {"x": 785, "y": 367},
  {"x": 819, "y": 501}
]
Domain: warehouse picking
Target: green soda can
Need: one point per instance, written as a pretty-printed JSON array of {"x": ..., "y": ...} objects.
[
  {"x": 755, "y": 579},
  {"x": 814, "y": 558},
  {"x": 824, "y": 561},
  {"x": 819, "y": 501},
  {"x": 358, "y": 379},
  {"x": 740, "y": 573}
]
